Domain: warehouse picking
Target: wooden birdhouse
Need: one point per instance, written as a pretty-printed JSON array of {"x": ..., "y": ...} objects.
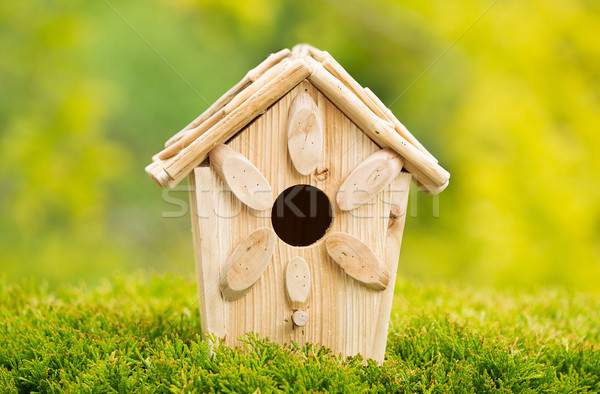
[{"x": 299, "y": 183}]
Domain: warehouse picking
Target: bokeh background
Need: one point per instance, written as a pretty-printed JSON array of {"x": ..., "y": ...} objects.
[{"x": 507, "y": 99}]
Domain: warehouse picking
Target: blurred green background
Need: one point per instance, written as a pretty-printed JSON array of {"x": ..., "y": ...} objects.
[{"x": 508, "y": 101}]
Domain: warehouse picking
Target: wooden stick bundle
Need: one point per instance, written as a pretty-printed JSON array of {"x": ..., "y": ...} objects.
[
  {"x": 250, "y": 77},
  {"x": 169, "y": 172},
  {"x": 400, "y": 128},
  {"x": 194, "y": 133},
  {"x": 376, "y": 128},
  {"x": 341, "y": 74},
  {"x": 302, "y": 50}
]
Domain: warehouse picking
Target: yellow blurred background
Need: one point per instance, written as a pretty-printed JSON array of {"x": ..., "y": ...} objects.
[{"x": 504, "y": 93}]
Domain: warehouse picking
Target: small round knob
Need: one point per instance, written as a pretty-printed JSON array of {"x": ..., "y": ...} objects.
[{"x": 300, "y": 318}]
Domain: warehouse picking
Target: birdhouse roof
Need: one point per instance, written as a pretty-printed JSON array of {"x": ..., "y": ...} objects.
[{"x": 266, "y": 84}]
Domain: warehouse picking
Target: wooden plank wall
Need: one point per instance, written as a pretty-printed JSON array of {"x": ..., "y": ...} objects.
[{"x": 344, "y": 315}]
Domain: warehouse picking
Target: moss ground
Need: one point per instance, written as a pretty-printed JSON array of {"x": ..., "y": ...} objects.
[{"x": 140, "y": 334}]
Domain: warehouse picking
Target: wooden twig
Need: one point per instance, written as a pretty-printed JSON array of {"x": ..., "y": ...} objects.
[
  {"x": 269, "y": 62},
  {"x": 376, "y": 128},
  {"x": 341, "y": 74},
  {"x": 192, "y": 134},
  {"x": 301, "y": 50},
  {"x": 400, "y": 128},
  {"x": 216, "y": 106},
  {"x": 250, "y": 77},
  {"x": 177, "y": 167},
  {"x": 424, "y": 183}
]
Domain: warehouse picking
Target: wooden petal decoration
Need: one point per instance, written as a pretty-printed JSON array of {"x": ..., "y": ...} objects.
[
  {"x": 357, "y": 260},
  {"x": 247, "y": 263},
  {"x": 297, "y": 282},
  {"x": 369, "y": 178},
  {"x": 305, "y": 134},
  {"x": 242, "y": 177}
]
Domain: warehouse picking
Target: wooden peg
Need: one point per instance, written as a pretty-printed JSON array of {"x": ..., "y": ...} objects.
[
  {"x": 297, "y": 282},
  {"x": 305, "y": 134},
  {"x": 247, "y": 263},
  {"x": 369, "y": 178},
  {"x": 357, "y": 260},
  {"x": 300, "y": 318},
  {"x": 242, "y": 177}
]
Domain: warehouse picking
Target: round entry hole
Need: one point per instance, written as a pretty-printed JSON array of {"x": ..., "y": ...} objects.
[{"x": 301, "y": 215}]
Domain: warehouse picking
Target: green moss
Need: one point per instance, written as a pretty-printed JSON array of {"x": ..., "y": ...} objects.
[{"x": 141, "y": 334}]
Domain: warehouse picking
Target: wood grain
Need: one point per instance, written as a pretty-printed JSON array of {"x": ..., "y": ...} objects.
[
  {"x": 207, "y": 250},
  {"x": 393, "y": 242}
]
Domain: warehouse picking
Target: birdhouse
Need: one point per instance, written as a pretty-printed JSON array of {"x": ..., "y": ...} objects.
[{"x": 299, "y": 181}]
